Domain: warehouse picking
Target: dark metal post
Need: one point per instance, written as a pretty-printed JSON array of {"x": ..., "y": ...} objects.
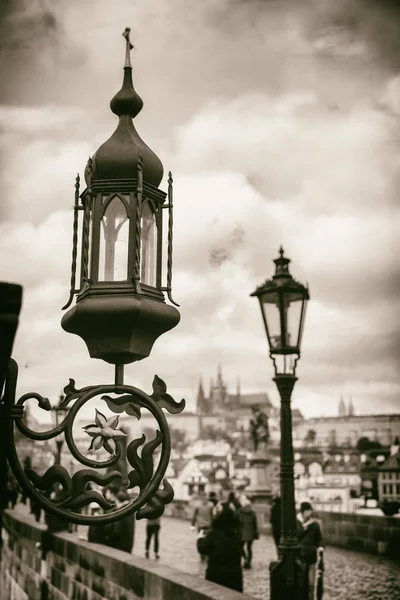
[
  {"x": 10, "y": 306},
  {"x": 3, "y": 469},
  {"x": 58, "y": 453},
  {"x": 287, "y": 574}
]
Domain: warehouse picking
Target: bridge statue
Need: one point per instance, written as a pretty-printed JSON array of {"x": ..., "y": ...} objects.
[{"x": 259, "y": 428}]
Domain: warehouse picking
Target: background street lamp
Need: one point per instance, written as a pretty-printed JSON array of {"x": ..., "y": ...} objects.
[
  {"x": 283, "y": 303},
  {"x": 59, "y": 412}
]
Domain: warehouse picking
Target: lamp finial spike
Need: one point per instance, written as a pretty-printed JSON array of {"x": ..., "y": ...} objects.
[
  {"x": 281, "y": 250},
  {"x": 129, "y": 47}
]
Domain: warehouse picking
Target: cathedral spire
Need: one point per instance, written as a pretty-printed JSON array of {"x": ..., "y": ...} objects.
[
  {"x": 342, "y": 408},
  {"x": 219, "y": 374},
  {"x": 201, "y": 390},
  {"x": 238, "y": 387},
  {"x": 201, "y": 404}
]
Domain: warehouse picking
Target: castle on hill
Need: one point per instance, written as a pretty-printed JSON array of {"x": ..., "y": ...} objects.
[
  {"x": 232, "y": 411},
  {"x": 220, "y": 400},
  {"x": 218, "y": 412}
]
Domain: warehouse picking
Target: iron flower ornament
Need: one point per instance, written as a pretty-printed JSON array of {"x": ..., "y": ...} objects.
[{"x": 104, "y": 433}]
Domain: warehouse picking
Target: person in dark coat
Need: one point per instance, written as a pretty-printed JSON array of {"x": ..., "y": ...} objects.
[
  {"x": 203, "y": 514},
  {"x": 275, "y": 520},
  {"x": 96, "y": 530},
  {"x": 120, "y": 534},
  {"x": 248, "y": 528},
  {"x": 153, "y": 530},
  {"x": 55, "y": 524},
  {"x": 35, "y": 509},
  {"x": 310, "y": 539},
  {"x": 12, "y": 492},
  {"x": 223, "y": 548},
  {"x": 233, "y": 502}
]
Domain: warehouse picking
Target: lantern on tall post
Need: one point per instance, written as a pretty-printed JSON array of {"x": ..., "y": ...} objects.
[
  {"x": 120, "y": 311},
  {"x": 283, "y": 302}
]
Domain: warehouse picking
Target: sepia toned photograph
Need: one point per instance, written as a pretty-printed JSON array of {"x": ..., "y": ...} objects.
[{"x": 200, "y": 300}]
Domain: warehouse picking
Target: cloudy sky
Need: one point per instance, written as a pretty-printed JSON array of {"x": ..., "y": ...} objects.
[{"x": 281, "y": 123}]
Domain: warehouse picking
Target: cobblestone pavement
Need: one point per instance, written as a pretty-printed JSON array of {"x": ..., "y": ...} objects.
[{"x": 349, "y": 575}]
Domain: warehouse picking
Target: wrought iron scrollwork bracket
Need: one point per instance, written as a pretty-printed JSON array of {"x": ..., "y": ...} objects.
[{"x": 154, "y": 491}]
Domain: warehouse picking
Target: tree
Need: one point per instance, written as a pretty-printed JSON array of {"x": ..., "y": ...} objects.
[
  {"x": 364, "y": 444},
  {"x": 310, "y": 436},
  {"x": 332, "y": 439},
  {"x": 178, "y": 439},
  {"x": 217, "y": 434}
]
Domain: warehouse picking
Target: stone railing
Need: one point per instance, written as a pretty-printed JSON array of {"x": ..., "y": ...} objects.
[
  {"x": 366, "y": 533},
  {"x": 77, "y": 570}
]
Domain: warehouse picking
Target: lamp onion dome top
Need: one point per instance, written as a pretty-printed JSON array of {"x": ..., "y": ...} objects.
[{"x": 118, "y": 157}]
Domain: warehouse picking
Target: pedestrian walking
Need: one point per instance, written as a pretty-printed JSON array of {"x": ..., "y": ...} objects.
[
  {"x": 248, "y": 528},
  {"x": 95, "y": 532},
  {"x": 12, "y": 492},
  {"x": 152, "y": 531},
  {"x": 233, "y": 502},
  {"x": 212, "y": 497},
  {"x": 310, "y": 539},
  {"x": 54, "y": 524},
  {"x": 203, "y": 515},
  {"x": 120, "y": 534},
  {"x": 275, "y": 520},
  {"x": 223, "y": 548},
  {"x": 35, "y": 509}
]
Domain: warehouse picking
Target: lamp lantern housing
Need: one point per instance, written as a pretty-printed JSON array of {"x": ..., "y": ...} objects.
[
  {"x": 283, "y": 302},
  {"x": 120, "y": 307}
]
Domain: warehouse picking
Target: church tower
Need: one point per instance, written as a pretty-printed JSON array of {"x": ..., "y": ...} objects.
[
  {"x": 238, "y": 390},
  {"x": 219, "y": 394},
  {"x": 350, "y": 410},
  {"x": 342, "y": 408},
  {"x": 201, "y": 404}
]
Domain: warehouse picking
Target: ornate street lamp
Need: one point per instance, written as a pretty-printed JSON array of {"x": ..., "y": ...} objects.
[
  {"x": 283, "y": 303},
  {"x": 120, "y": 311}
]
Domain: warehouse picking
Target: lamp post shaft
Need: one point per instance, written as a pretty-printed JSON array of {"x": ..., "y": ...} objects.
[
  {"x": 58, "y": 453},
  {"x": 285, "y": 384},
  {"x": 287, "y": 573}
]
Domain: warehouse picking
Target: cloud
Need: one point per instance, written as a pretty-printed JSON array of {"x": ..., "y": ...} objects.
[{"x": 280, "y": 122}]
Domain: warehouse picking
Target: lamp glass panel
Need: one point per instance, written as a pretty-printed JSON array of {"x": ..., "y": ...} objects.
[
  {"x": 148, "y": 246},
  {"x": 90, "y": 242},
  {"x": 114, "y": 242},
  {"x": 293, "y": 310},
  {"x": 285, "y": 364},
  {"x": 272, "y": 316}
]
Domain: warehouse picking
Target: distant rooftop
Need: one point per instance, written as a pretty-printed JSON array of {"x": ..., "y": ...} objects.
[
  {"x": 393, "y": 416},
  {"x": 256, "y": 398}
]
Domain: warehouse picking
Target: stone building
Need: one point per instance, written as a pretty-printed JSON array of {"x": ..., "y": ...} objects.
[
  {"x": 370, "y": 463},
  {"x": 389, "y": 475},
  {"x": 347, "y": 428},
  {"x": 329, "y": 480},
  {"x": 232, "y": 411}
]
